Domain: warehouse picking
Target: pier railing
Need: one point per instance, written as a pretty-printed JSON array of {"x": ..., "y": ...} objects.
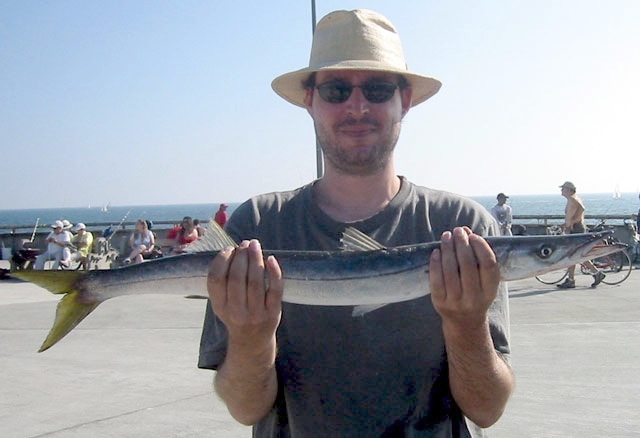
[
  {"x": 13, "y": 236},
  {"x": 92, "y": 226},
  {"x": 533, "y": 219},
  {"x": 552, "y": 219}
]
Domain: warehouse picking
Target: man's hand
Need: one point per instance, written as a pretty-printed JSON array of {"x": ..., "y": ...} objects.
[
  {"x": 464, "y": 277},
  {"x": 250, "y": 308},
  {"x": 240, "y": 296}
]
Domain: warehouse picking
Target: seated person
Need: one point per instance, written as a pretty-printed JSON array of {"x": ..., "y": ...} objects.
[
  {"x": 141, "y": 241},
  {"x": 83, "y": 241},
  {"x": 186, "y": 235},
  {"x": 58, "y": 242},
  {"x": 199, "y": 228}
]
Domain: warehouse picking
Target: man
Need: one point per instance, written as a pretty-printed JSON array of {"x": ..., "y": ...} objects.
[
  {"x": 502, "y": 213},
  {"x": 83, "y": 241},
  {"x": 573, "y": 224},
  {"x": 412, "y": 368},
  {"x": 58, "y": 241},
  {"x": 221, "y": 216}
]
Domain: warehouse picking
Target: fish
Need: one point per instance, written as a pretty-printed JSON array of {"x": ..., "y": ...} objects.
[{"x": 363, "y": 273}]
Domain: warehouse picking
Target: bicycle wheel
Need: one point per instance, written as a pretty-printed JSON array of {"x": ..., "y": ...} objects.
[
  {"x": 616, "y": 267},
  {"x": 552, "y": 277}
]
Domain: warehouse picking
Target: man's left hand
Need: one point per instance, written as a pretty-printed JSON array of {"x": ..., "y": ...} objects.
[{"x": 464, "y": 276}]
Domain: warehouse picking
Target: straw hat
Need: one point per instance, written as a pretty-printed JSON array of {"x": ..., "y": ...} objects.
[{"x": 354, "y": 40}]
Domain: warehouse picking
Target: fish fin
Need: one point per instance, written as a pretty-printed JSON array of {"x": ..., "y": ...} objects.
[
  {"x": 214, "y": 239},
  {"x": 366, "y": 308},
  {"x": 69, "y": 313},
  {"x": 355, "y": 240},
  {"x": 70, "y": 310},
  {"x": 57, "y": 282}
]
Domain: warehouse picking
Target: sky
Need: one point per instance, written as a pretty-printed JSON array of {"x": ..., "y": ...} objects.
[{"x": 169, "y": 102}]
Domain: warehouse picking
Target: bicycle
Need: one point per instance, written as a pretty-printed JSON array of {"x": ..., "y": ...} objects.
[{"x": 616, "y": 267}]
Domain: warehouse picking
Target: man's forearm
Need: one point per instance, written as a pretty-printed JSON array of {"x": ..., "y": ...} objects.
[
  {"x": 248, "y": 383},
  {"x": 480, "y": 380}
]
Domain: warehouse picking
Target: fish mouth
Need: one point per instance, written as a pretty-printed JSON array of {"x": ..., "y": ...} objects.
[
  {"x": 598, "y": 246},
  {"x": 603, "y": 249}
]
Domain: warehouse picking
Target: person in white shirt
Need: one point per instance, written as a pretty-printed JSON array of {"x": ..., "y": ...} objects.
[
  {"x": 502, "y": 213},
  {"x": 57, "y": 242}
]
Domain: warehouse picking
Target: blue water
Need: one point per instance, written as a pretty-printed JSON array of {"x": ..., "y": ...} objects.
[
  {"x": 26, "y": 219},
  {"x": 595, "y": 204},
  {"x": 602, "y": 203}
]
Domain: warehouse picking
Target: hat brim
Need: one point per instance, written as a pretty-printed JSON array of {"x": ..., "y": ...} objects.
[{"x": 290, "y": 86}]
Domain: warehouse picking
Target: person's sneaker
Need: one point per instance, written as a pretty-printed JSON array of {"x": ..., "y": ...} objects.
[
  {"x": 568, "y": 284},
  {"x": 597, "y": 278}
]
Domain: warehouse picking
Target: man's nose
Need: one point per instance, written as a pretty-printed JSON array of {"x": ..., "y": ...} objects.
[{"x": 357, "y": 103}]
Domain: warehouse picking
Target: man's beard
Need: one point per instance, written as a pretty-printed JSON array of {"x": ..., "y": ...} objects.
[{"x": 353, "y": 161}]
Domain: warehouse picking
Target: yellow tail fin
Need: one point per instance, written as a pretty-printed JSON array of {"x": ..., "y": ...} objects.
[
  {"x": 57, "y": 282},
  {"x": 69, "y": 313},
  {"x": 71, "y": 309}
]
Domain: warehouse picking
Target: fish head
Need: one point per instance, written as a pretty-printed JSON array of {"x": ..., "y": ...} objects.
[{"x": 527, "y": 256}]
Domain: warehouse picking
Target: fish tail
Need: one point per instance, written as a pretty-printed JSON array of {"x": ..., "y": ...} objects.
[
  {"x": 69, "y": 313},
  {"x": 56, "y": 282},
  {"x": 71, "y": 308}
]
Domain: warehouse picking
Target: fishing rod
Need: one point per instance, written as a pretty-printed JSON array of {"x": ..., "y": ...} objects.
[
  {"x": 108, "y": 230},
  {"x": 33, "y": 235}
]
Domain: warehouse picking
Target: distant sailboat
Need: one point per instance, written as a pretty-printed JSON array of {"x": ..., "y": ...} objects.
[
  {"x": 106, "y": 207},
  {"x": 616, "y": 193}
]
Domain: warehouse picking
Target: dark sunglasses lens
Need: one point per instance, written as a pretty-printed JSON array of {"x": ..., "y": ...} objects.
[
  {"x": 333, "y": 92},
  {"x": 374, "y": 92},
  {"x": 378, "y": 92}
]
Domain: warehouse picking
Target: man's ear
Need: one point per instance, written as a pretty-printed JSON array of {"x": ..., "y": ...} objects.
[
  {"x": 406, "y": 94},
  {"x": 308, "y": 99}
]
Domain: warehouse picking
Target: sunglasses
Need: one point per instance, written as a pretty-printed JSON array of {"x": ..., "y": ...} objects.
[{"x": 375, "y": 91}]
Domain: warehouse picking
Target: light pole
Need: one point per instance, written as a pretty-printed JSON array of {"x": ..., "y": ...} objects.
[{"x": 319, "y": 163}]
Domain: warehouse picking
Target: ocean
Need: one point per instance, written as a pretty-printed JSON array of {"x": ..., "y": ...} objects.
[
  {"x": 597, "y": 204},
  {"x": 26, "y": 219}
]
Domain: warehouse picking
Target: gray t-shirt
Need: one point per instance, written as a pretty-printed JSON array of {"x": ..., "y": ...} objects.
[{"x": 381, "y": 374}]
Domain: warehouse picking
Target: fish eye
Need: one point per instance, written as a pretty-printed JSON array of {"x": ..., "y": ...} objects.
[{"x": 545, "y": 251}]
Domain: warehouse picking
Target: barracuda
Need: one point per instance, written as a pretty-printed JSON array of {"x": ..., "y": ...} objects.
[{"x": 365, "y": 274}]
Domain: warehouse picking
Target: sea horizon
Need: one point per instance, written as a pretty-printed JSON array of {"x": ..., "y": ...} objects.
[
  {"x": 474, "y": 197},
  {"x": 546, "y": 204}
]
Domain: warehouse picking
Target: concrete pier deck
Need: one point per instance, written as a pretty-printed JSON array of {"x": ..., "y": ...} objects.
[{"x": 129, "y": 369}]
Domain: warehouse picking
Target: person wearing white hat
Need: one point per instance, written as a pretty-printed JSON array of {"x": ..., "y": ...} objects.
[
  {"x": 503, "y": 214},
  {"x": 82, "y": 241},
  {"x": 58, "y": 241},
  {"x": 415, "y": 368}
]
